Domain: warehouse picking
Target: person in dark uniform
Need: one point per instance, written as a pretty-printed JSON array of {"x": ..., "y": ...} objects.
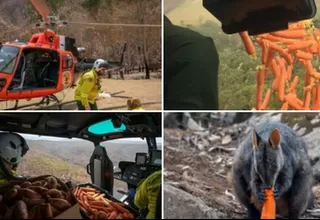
[{"x": 191, "y": 65}]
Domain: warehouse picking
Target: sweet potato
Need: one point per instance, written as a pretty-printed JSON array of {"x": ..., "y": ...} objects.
[
  {"x": 32, "y": 202},
  {"x": 54, "y": 193},
  {"x": 30, "y": 194},
  {"x": 21, "y": 210},
  {"x": 39, "y": 189},
  {"x": 60, "y": 204},
  {"x": 9, "y": 213},
  {"x": 46, "y": 208},
  {"x": 16, "y": 187},
  {"x": 1, "y": 197},
  {"x": 25, "y": 184},
  {"x": 11, "y": 194},
  {"x": 55, "y": 211},
  {"x": 35, "y": 212},
  {"x": 37, "y": 183},
  {"x": 52, "y": 182}
]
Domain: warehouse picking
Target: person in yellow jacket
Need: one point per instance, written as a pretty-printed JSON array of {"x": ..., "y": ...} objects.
[
  {"x": 89, "y": 86},
  {"x": 13, "y": 147},
  {"x": 147, "y": 193}
]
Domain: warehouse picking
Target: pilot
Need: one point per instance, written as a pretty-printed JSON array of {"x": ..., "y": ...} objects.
[
  {"x": 13, "y": 148},
  {"x": 89, "y": 86},
  {"x": 147, "y": 194},
  {"x": 191, "y": 64}
]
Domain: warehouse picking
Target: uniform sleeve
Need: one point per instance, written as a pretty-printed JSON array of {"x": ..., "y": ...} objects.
[
  {"x": 191, "y": 82},
  {"x": 88, "y": 83},
  {"x": 141, "y": 197}
]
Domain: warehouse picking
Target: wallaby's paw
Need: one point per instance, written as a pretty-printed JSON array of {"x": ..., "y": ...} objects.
[
  {"x": 261, "y": 196},
  {"x": 276, "y": 193}
]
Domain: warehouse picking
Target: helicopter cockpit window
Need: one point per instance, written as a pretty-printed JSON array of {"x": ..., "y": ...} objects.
[
  {"x": 8, "y": 58},
  {"x": 67, "y": 62},
  {"x": 106, "y": 127}
]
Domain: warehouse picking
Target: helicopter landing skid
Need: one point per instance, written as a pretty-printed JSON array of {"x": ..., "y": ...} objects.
[{"x": 48, "y": 99}]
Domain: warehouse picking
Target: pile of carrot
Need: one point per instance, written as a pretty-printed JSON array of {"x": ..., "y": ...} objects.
[
  {"x": 94, "y": 204},
  {"x": 280, "y": 51}
]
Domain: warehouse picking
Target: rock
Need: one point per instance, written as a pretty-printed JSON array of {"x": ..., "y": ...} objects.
[
  {"x": 214, "y": 139},
  {"x": 316, "y": 171},
  {"x": 179, "y": 204},
  {"x": 192, "y": 125},
  {"x": 226, "y": 140}
]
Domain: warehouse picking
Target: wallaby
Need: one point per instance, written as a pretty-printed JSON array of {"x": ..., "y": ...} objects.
[{"x": 273, "y": 156}]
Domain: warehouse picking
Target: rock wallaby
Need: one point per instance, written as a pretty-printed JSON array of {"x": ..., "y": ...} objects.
[{"x": 273, "y": 156}]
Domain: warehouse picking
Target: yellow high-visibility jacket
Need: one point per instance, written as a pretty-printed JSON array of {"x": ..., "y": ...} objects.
[
  {"x": 147, "y": 192},
  {"x": 88, "y": 88}
]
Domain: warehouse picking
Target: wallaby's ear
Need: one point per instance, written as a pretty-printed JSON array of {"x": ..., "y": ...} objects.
[
  {"x": 255, "y": 140},
  {"x": 274, "y": 138}
]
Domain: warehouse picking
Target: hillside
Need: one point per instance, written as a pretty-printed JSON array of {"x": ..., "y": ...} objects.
[{"x": 68, "y": 159}]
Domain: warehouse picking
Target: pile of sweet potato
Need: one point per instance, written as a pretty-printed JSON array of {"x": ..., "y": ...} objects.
[
  {"x": 38, "y": 199},
  {"x": 96, "y": 206}
]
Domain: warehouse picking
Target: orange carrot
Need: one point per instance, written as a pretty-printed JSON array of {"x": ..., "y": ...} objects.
[
  {"x": 99, "y": 197},
  {"x": 282, "y": 82},
  {"x": 294, "y": 84},
  {"x": 289, "y": 72},
  {"x": 314, "y": 98},
  {"x": 251, "y": 50},
  {"x": 119, "y": 208},
  {"x": 294, "y": 34},
  {"x": 316, "y": 75},
  {"x": 294, "y": 102},
  {"x": 265, "y": 52},
  {"x": 300, "y": 45},
  {"x": 269, "y": 205},
  {"x": 88, "y": 189},
  {"x": 318, "y": 97},
  {"x": 304, "y": 55},
  {"x": 307, "y": 100},
  {"x": 285, "y": 106},
  {"x": 278, "y": 39},
  {"x": 97, "y": 203},
  {"x": 266, "y": 100},
  {"x": 113, "y": 215},
  {"x": 280, "y": 50}
]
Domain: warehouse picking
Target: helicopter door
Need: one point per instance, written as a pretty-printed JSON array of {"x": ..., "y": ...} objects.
[{"x": 100, "y": 169}]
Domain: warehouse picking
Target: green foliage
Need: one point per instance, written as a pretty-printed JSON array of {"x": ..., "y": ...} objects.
[{"x": 91, "y": 3}]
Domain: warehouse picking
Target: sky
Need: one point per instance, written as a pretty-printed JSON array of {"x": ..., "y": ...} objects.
[{"x": 125, "y": 140}]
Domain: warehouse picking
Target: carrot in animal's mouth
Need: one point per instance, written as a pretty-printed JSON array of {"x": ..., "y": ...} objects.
[{"x": 269, "y": 205}]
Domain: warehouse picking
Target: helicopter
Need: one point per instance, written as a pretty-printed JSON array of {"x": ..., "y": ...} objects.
[{"x": 45, "y": 65}]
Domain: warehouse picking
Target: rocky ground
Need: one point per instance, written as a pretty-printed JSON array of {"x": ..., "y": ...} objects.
[{"x": 197, "y": 163}]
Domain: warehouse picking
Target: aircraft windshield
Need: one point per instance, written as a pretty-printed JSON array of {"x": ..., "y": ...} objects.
[
  {"x": 8, "y": 57},
  {"x": 105, "y": 127}
]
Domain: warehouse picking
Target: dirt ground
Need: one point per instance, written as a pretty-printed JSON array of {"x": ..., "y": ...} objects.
[
  {"x": 204, "y": 174},
  {"x": 148, "y": 91}
]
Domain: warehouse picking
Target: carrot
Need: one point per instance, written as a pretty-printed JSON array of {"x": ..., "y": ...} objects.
[
  {"x": 130, "y": 216},
  {"x": 265, "y": 51},
  {"x": 318, "y": 97},
  {"x": 119, "y": 208},
  {"x": 88, "y": 189},
  {"x": 283, "y": 53},
  {"x": 303, "y": 55},
  {"x": 316, "y": 75},
  {"x": 269, "y": 205},
  {"x": 113, "y": 215},
  {"x": 300, "y": 45},
  {"x": 307, "y": 100},
  {"x": 291, "y": 34},
  {"x": 119, "y": 216},
  {"x": 278, "y": 39},
  {"x": 99, "y": 197},
  {"x": 102, "y": 215},
  {"x": 270, "y": 58},
  {"x": 314, "y": 98},
  {"x": 294, "y": 102},
  {"x": 294, "y": 84},
  {"x": 285, "y": 106},
  {"x": 266, "y": 100},
  {"x": 97, "y": 203},
  {"x": 251, "y": 50},
  {"x": 289, "y": 72},
  {"x": 282, "y": 82}
]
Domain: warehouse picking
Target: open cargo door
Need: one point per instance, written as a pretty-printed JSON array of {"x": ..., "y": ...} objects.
[{"x": 100, "y": 169}]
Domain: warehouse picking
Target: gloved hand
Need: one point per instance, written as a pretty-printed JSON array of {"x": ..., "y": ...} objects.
[{"x": 104, "y": 95}]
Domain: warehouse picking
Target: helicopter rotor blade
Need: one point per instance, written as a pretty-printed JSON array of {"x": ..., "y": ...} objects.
[
  {"x": 42, "y": 8},
  {"x": 119, "y": 24}
]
